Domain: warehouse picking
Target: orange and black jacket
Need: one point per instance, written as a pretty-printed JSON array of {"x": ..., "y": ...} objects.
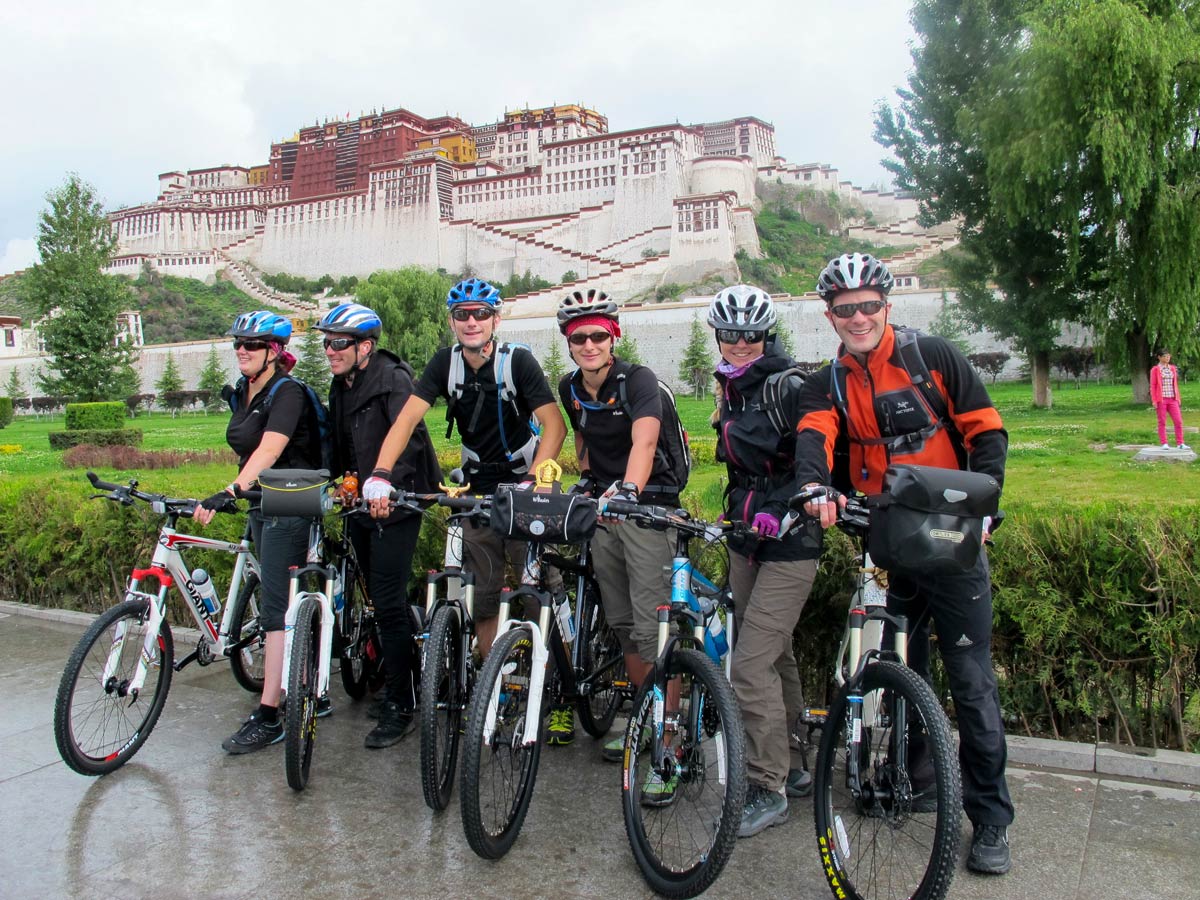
[{"x": 882, "y": 403}]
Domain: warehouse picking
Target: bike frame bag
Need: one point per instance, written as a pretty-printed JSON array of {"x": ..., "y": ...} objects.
[
  {"x": 295, "y": 492},
  {"x": 930, "y": 520},
  {"x": 545, "y": 518}
]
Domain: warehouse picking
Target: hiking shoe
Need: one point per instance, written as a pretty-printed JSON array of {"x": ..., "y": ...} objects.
[
  {"x": 656, "y": 792},
  {"x": 374, "y": 708},
  {"x": 614, "y": 750},
  {"x": 562, "y": 726},
  {"x": 799, "y": 783},
  {"x": 394, "y": 724},
  {"x": 1165, "y": 447},
  {"x": 763, "y": 809},
  {"x": 989, "y": 850},
  {"x": 1182, "y": 447},
  {"x": 253, "y": 735},
  {"x": 324, "y": 707}
]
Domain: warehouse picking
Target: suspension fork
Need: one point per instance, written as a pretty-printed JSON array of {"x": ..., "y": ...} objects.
[{"x": 154, "y": 620}]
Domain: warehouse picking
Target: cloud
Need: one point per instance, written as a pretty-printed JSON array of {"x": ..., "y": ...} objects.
[{"x": 19, "y": 253}]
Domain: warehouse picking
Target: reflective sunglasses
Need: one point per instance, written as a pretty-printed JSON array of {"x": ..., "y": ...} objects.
[
  {"x": 339, "y": 343},
  {"x": 479, "y": 314},
  {"x": 596, "y": 337},
  {"x": 729, "y": 336},
  {"x": 250, "y": 346},
  {"x": 868, "y": 308}
]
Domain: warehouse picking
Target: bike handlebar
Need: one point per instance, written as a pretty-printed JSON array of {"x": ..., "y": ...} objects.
[{"x": 125, "y": 494}]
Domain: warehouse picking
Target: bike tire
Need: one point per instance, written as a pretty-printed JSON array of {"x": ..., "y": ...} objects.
[
  {"x": 96, "y": 728},
  {"x": 682, "y": 846},
  {"x": 878, "y": 839},
  {"x": 361, "y": 651},
  {"x": 496, "y": 783},
  {"x": 442, "y": 702},
  {"x": 300, "y": 717},
  {"x": 600, "y": 647},
  {"x": 247, "y": 664}
]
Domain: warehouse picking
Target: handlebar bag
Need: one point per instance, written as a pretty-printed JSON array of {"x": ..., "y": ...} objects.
[
  {"x": 930, "y": 520},
  {"x": 295, "y": 492},
  {"x": 545, "y": 518}
]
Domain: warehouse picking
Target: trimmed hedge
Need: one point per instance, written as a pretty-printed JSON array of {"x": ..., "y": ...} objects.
[
  {"x": 95, "y": 416},
  {"x": 99, "y": 437},
  {"x": 6, "y": 411}
]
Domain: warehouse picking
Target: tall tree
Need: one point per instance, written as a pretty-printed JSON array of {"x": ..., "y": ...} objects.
[
  {"x": 412, "y": 304},
  {"x": 627, "y": 349},
  {"x": 312, "y": 367},
  {"x": 787, "y": 340},
  {"x": 12, "y": 388},
  {"x": 170, "y": 385},
  {"x": 1098, "y": 139},
  {"x": 697, "y": 365},
  {"x": 961, "y": 54},
  {"x": 78, "y": 302},
  {"x": 554, "y": 365},
  {"x": 212, "y": 379}
]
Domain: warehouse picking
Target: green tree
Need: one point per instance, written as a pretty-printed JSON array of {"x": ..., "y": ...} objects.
[
  {"x": 948, "y": 324},
  {"x": 787, "y": 340},
  {"x": 1096, "y": 139},
  {"x": 412, "y": 304},
  {"x": 569, "y": 276},
  {"x": 12, "y": 388},
  {"x": 78, "y": 302},
  {"x": 961, "y": 55},
  {"x": 212, "y": 379},
  {"x": 312, "y": 367},
  {"x": 554, "y": 365},
  {"x": 170, "y": 385},
  {"x": 697, "y": 365},
  {"x": 627, "y": 349}
]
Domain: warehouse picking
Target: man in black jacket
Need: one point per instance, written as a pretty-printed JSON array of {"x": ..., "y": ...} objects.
[{"x": 370, "y": 387}]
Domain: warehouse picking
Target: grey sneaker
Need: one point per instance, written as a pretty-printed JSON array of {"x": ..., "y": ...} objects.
[
  {"x": 763, "y": 809},
  {"x": 989, "y": 850},
  {"x": 255, "y": 734},
  {"x": 799, "y": 783}
]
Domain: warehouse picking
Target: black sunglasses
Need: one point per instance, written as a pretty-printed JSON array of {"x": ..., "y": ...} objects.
[
  {"x": 596, "y": 337},
  {"x": 251, "y": 346},
  {"x": 729, "y": 336},
  {"x": 339, "y": 343},
  {"x": 479, "y": 314},
  {"x": 868, "y": 308}
]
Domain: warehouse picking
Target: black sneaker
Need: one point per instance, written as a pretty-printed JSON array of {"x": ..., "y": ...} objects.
[
  {"x": 989, "y": 850},
  {"x": 253, "y": 735},
  {"x": 324, "y": 707},
  {"x": 799, "y": 783},
  {"x": 394, "y": 724}
]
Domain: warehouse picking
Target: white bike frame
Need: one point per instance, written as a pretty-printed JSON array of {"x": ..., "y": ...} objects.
[
  {"x": 325, "y": 603},
  {"x": 870, "y": 593},
  {"x": 169, "y": 567}
]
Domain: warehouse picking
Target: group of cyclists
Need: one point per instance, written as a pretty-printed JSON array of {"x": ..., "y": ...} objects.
[{"x": 842, "y": 426}]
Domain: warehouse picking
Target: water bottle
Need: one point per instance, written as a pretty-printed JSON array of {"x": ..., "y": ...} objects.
[
  {"x": 715, "y": 638},
  {"x": 339, "y": 591},
  {"x": 566, "y": 621},
  {"x": 208, "y": 593}
]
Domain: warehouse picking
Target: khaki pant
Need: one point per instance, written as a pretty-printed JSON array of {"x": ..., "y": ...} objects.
[
  {"x": 768, "y": 598},
  {"x": 484, "y": 555},
  {"x": 633, "y": 567}
]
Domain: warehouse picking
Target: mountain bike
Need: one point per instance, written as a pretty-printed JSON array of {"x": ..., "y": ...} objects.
[
  {"x": 887, "y": 797},
  {"x": 685, "y": 739},
  {"x": 116, "y": 680}
]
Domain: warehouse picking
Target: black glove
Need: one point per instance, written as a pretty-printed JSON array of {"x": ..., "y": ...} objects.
[{"x": 222, "y": 502}]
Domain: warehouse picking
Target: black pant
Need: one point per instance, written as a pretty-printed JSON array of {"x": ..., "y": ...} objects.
[
  {"x": 385, "y": 555},
  {"x": 960, "y": 607}
]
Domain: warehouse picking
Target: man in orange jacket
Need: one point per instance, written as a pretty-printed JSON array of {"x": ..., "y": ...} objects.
[{"x": 867, "y": 400}]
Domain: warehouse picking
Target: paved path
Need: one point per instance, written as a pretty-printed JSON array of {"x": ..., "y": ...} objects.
[{"x": 185, "y": 820}]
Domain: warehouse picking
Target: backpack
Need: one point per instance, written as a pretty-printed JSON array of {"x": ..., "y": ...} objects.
[
  {"x": 673, "y": 445},
  {"x": 774, "y": 390},
  {"x": 319, "y": 421},
  {"x": 918, "y": 373},
  {"x": 506, "y": 392}
]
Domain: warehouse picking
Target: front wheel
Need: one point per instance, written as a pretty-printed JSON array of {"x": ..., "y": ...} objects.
[
  {"x": 247, "y": 663},
  {"x": 301, "y": 716},
  {"x": 682, "y": 810},
  {"x": 888, "y": 798},
  {"x": 499, "y": 769},
  {"x": 99, "y": 722},
  {"x": 443, "y": 696}
]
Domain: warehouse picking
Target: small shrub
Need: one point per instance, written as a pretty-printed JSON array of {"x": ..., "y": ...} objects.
[
  {"x": 126, "y": 458},
  {"x": 85, "y": 416},
  {"x": 102, "y": 437},
  {"x": 6, "y": 411}
]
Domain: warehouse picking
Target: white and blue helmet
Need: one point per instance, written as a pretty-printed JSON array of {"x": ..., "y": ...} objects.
[{"x": 352, "y": 318}]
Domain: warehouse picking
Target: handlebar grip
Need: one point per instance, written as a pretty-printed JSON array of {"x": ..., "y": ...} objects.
[
  {"x": 243, "y": 494},
  {"x": 463, "y": 504},
  {"x": 102, "y": 485},
  {"x": 625, "y": 508}
]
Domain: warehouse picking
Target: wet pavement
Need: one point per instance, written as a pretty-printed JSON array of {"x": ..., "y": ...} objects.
[{"x": 183, "y": 819}]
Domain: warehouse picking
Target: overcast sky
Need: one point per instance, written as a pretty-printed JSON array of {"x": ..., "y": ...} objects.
[{"x": 120, "y": 92}]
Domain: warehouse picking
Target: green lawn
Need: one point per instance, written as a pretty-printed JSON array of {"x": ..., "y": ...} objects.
[{"x": 1062, "y": 454}]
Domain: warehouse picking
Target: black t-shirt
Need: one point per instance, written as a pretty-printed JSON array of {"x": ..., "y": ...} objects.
[
  {"x": 288, "y": 414},
  {"x": 475, "y": 412},
  {"x": 608, "y": 431}
]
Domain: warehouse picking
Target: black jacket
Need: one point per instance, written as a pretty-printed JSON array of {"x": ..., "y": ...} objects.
[
  {"x": 759, "y": 460},
  {"x": 367, "y": 410}
]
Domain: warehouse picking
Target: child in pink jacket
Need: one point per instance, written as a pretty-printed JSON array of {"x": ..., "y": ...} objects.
[{"x": 1164, "y": 394}]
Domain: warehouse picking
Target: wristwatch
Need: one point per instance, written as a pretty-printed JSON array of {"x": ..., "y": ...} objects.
[{"x": 628, "y": 487}]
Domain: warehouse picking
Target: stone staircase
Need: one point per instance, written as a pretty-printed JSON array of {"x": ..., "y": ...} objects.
[{"x": 247, "y": 280}]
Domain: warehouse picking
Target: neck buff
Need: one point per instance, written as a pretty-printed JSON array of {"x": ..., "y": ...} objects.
[{"x": 731, "y": 371}]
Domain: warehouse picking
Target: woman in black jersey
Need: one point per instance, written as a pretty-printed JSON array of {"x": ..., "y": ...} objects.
[{"x": 270, "y": 426}]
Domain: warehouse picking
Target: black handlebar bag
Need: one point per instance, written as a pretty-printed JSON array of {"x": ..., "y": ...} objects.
[
  {"x": 929, "y": 521},
  {"x": 294, "y": 492},
  {"x": 544, "y": 518}
]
